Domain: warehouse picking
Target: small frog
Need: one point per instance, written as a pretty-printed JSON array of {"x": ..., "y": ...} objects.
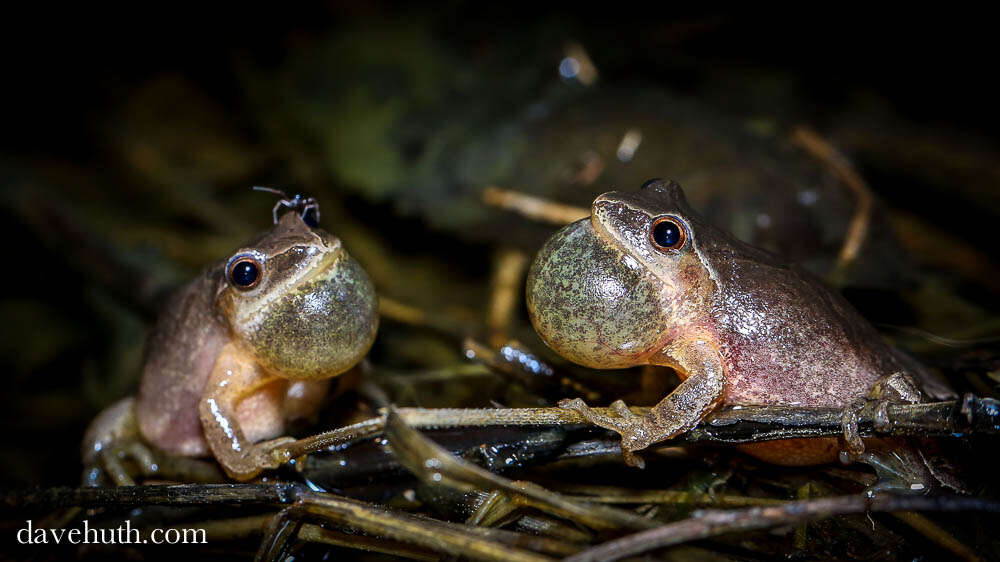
[
  {"x": 646, "y": 281},
  {"x": 249, "y": 345}
]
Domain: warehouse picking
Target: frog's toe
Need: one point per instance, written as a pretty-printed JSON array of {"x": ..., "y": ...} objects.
[
  {"x": 623, "y": 411},
  {"x": 897, "y": 387},
  {"x": 143, "y": 456},
  {"x": 598, "y": 419},
  {"x": 272, "y": 454},
  {"x": 121, "y": 463},
  {"x": 891, "y": 389},
  {"x": 575, "y": 404},
  {"x": 635, "y": 437},
  {"x": 632, "y": 459},
  {"x": 849, "y": 423},
  {"x": 111, "y": 466}
]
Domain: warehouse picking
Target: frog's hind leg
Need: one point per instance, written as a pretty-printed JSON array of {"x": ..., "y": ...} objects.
[
  {"x": 114, "y": 452},
  {"x": 111, "y": 437},
  {"x": 113, "y": 448},
  {"x": 899, "y": 463},
  {"x": 896, "y": 388}
]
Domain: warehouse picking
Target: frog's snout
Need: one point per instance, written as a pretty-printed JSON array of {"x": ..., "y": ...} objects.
[{"x": 593, "y": 303}]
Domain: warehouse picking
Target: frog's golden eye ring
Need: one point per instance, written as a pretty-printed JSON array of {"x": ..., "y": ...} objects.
[
  {"x": 244, "y": 272},
  {"x": 667, "y": 234}
]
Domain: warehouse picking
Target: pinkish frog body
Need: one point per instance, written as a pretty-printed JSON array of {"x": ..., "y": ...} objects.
[
  {"x": 645, "y": 280},
  {"x": 249, "y": 345}
]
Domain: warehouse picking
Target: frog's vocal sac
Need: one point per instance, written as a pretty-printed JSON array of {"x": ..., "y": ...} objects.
[
  {"x": 249, "y": 345},
  {"x": 646, "y": 281}
]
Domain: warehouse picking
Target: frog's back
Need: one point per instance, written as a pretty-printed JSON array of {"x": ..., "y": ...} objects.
[
  {"x": 786, "y": 337},
  {"x": 181, "y": 352}
]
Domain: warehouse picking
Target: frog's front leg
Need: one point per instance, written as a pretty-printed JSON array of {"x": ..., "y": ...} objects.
[
  {"x": 700, "y": 365},
  {"x": 233, "y": 379}
]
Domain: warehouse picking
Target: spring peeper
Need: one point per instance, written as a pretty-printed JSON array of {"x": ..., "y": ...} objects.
[
  {"x": 247, "y": 346},
  {"x": 646, "y": 281}
]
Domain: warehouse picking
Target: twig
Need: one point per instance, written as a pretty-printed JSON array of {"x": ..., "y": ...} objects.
[
  {"x": 735, "y": 424},
  {"x": 533, "y": 207},
  {"x": 511, "y": 359},
  {"x": 857, "y": 230},
  {"x": 136, "y": 496},
  {"x": 613, "y": 495},
  {"x": 316, "y": 533},
  {"x": 407, "y": 314},
  {"x": 351, "y": 515},
  {"x": 436, "y": 466},
  {"x": 506, "y": 283},
  {"x": 382, "y": 523},
  {"x": 936, "y": 534},
  {"x": 712, "y": 523}
]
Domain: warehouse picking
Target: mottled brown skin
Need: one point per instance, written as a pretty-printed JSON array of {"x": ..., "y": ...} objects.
[
  {"x": 227, "y": 368},
  {"x": 737, "y": 324}
]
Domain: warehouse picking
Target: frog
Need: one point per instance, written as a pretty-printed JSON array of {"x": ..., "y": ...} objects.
[
  {"x": 645, "y": 280},
  {"x": 249, "y": 346}
]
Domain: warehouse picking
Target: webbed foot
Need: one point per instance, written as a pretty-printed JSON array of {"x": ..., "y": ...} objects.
[
  {"x": 632, "y": 427},
  {"x": 899, "y": 469}
]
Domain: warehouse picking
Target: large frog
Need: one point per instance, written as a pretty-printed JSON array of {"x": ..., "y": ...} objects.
[
  {"x": 249, "y": 345},
  {"x": 646, "y": 281}
]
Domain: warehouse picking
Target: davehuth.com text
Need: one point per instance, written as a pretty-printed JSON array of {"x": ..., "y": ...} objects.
[{"x": 122, "y": 534}]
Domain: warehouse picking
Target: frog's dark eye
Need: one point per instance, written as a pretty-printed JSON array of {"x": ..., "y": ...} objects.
[
  {"x": 667, "y": 234},
  {"x": 243, "y": 272}
]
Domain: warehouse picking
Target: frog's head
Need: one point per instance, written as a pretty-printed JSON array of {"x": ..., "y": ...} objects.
[
  {"x": 298, "y": 302},
  {"x": 611, "y": 290}
]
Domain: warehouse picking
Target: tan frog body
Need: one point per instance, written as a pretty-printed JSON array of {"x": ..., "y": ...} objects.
[
  {"x": 249, "y": 345},
  {"x": 645, "y": 281}
]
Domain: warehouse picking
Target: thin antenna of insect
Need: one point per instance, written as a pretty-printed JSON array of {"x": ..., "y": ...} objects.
[{"x": 271, "y": 190}]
